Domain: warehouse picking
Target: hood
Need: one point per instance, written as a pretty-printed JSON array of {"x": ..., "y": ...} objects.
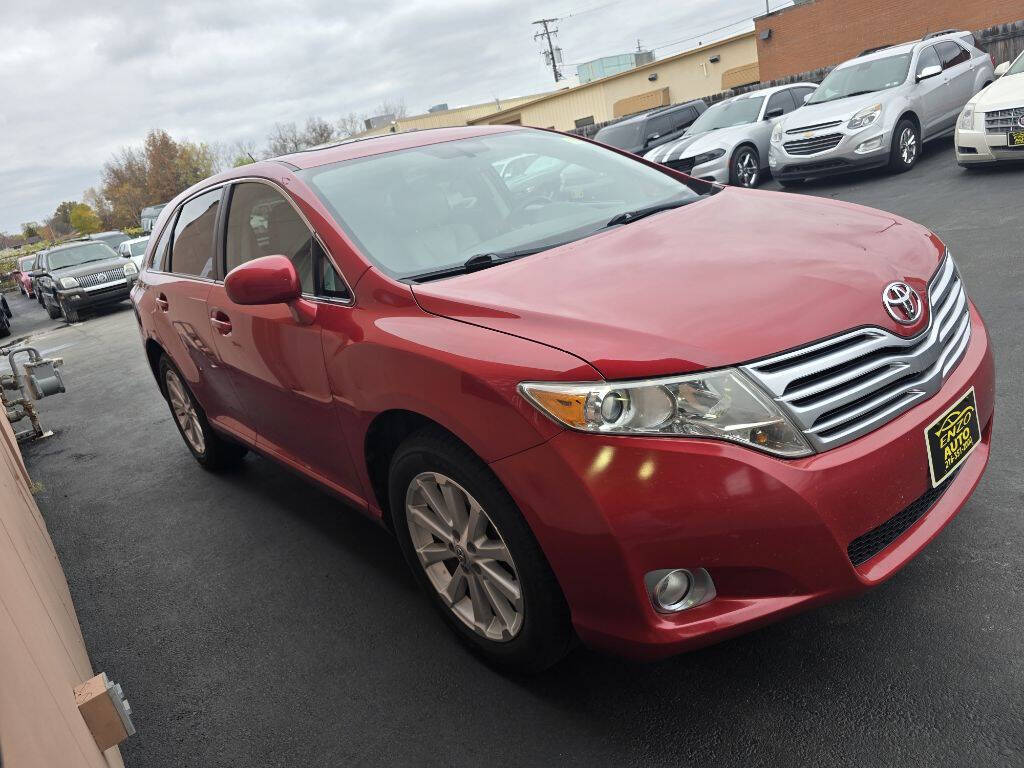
[
  {"x": 673, "y": 150},
  {"x": 723, "y": 138},
  {"x": 1005, "y": 93},
  {"x": 731, "y": 278},
  {"x": 92, "y": 267},
  {"x": 831, "y": 111}
]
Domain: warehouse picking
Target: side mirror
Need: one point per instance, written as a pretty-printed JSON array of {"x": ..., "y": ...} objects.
[
  {"x": 652, "y": 137},
  {"x": 771, "y": 114},
  {"x": 928, "y": 72},
  {"x": 1002, "y": 69},
  {"x": 269, "y": 280}
]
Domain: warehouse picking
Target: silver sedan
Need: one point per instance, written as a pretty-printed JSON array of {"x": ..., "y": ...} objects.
[{"x": 728, "y": 144}]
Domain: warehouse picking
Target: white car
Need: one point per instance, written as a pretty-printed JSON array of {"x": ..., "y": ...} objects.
[
  {"x": 134, "y": 249},
  {"x": 991, "y": 126}
]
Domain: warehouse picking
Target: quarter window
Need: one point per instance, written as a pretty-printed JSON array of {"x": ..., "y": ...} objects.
[
  {"x": 928, "y": 58},
  {"x": 192, "y": 246},
  {"x": 261, "y": 222}
]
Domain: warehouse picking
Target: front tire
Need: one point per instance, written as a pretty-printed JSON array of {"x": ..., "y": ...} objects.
[
  {"x": 906, "y": 146},
  {"x": 70, "y": 314},
  {"x": 212, "y": 451},
  {"x": 745, "y": 168},
  {"x": 52, "y": 310},
  {"x": 470, "y": 549}
]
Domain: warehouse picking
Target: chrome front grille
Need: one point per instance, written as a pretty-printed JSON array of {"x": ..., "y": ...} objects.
[
  {"x": 815, "y": 145},
  {"x": 816, "y": 127},
  {"x": 112, "y": 275},
  {"x": 1004, "y": 120},
  {"x": 841, "y": 388}
]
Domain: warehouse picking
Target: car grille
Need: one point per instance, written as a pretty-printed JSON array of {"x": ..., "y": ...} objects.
[
  {"x": 869, "y": 544},
  {"x": 841, "y": 388},
  {"x": 815, "y": 145},
  {"x": 1004, "y": 120},
  {"x": 816, "y": 127},
  {"x": 99, "y": 278},
  {"x": 683, "y": 165}
]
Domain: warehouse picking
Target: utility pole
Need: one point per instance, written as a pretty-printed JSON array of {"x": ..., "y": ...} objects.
[{"x": 547, "y": 33}]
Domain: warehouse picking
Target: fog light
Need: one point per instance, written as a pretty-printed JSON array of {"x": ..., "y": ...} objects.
[
  {"x": 676, "y": 589},
  {"x": 869, "y": 146}
]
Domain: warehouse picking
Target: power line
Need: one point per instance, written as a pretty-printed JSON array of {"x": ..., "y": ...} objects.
[
  {"x": 706, "y": 32},
  {"x": 547, "y": 33}
]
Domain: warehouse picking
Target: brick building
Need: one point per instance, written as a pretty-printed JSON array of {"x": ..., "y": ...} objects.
[{"x": 822, "y": 33}]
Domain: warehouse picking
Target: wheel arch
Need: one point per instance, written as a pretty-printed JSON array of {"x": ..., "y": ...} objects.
[{"x": 153, "y": 354}]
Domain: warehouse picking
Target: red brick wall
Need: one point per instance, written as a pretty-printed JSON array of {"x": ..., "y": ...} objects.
[{"x": 823, "y": 33}]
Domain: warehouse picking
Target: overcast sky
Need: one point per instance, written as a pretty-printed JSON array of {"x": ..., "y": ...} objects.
[{"x": 79, "y": 80}]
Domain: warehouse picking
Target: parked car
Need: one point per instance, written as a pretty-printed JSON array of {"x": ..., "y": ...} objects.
[
  {"x": 643, "y": 132},
  {"x": 991, "y": 127},
  {"x": 23, "y": 277},
  {"x": 134, "y": 249},
  {"x": 113, "y": 238},
  {"x": 83, "y": 275},
  {"x": 572, "y": 425},
  {"x": 877, "y": 109},
  {"x": 34, "y": 274},
  {"x": 729, "y": 143}
]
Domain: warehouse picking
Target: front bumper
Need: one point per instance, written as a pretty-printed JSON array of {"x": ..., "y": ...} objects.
[
  {"x": 979, "y": 147},
  {"x": 843, "y": 158},
  {"x": 96, "y": 296},
  {"x": 772, "y": 533}
]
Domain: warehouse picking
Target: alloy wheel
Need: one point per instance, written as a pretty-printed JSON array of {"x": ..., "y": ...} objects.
[
  {"x": 464, "y": 556},
  {"x": 184, "y": 412},
  {"x": 747, "y": 170},
  {"x": 908, "y": 145}
]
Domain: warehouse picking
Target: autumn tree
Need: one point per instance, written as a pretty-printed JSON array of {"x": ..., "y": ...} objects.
[
  {"x": 60, "y": 221},
  {"x": 84, "y": 219}
]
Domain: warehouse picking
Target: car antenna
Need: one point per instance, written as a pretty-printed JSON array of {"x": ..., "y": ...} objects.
[{"x": 251, "y": 157}]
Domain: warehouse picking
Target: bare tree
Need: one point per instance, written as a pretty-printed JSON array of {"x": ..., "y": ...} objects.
[
  {"x": 351, "y": 124},
  {"x": 318, "y": 131},
  {"x": 285, "y": 138},
  {"x": 394, "y": 107}
]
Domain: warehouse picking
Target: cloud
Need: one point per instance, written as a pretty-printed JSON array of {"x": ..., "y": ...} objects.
[{"x": 81, "y": 81}]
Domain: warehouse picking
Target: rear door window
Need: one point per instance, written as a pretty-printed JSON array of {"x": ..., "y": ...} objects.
[
  {"x": 952, "y": 54},
  {"x": 193, "y": 243},
  {"x": 261, "y": 222}
]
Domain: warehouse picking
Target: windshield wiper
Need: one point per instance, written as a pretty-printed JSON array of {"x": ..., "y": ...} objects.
[
  {"x": 630, "y": 216},
  {"x": 480, "y": 261}
]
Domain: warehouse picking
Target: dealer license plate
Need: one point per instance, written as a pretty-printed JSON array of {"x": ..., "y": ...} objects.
[
  {"x": 1015, "y": 139},
  {"x": 951, "y": 437}
]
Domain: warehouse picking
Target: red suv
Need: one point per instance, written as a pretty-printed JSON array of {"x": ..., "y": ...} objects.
[{"x": 592, "y": 398}]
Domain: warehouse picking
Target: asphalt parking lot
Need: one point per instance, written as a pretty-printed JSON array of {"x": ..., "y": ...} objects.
[{"x": 254, "y": 621}]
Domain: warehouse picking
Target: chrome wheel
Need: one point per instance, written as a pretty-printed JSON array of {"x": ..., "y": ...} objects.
[
  {"x": 184, "y": 412},
  {"x": 746, "y": 169},
  {"x": 464, "y": 556},
  {"x": 908, "y": 145}
]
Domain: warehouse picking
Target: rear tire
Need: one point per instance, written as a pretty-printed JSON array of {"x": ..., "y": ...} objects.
[
  {"x": 906, "y": 146},
  {"x": 528, "y": 634},
  {"x": 212, "y": 451}
]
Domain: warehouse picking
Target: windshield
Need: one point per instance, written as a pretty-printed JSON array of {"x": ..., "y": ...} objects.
[
  {"x": 624, "y": 135},
  {"x": 80, "y": 254},
  {"x": 26, "y": 263},
  {"x": 726, "y": 114},
  {"x": 863, "y": 77},
  {"x": 430, "y": 208},
  {"x": 138, "y": 248},
  {"x": 1018, "y": 66}
]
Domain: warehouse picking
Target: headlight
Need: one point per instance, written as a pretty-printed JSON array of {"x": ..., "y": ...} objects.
[
  {"x": 68, "y": 282},
  {"x": 865, "y": 117},
  {"x": 721, "y": 405},
  {"x": 777, "y": 133},
  {"x": 130, "y": 269},
  {"x": 966, "y": 122},
  {"x": 707, "y": 157}
]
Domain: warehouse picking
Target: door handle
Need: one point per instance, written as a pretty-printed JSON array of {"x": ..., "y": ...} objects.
[
  {"x": 161, "y": 301},
  {"x": 221, "y": 322}
]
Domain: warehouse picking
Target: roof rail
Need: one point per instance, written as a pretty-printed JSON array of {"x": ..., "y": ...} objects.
[
  {"x": 940, "y": 33},
  {"x": 877, "y": 48}
]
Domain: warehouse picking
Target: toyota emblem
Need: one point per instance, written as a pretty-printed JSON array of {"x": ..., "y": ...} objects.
[{"x": 902, "y": 303}]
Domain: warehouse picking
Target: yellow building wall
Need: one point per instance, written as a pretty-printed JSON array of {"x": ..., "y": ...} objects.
[
  {"x": 450, "y": 117},
  {"x": 689, "y": 75}
]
